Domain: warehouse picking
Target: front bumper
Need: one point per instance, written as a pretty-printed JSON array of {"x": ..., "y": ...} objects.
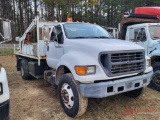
[
  {"x": 109, "y": 88},
  {"x": 4, "y": 110}
]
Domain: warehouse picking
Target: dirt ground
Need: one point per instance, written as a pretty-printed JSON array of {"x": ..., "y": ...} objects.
[{"x": 35, "y": 100}]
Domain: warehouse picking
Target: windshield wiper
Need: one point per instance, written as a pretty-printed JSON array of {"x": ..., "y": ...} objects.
[
  {"x": 89, "y": 37},
  {"x": 98, "y": 37},
  {"x": 103, "y": 37},
  {"x": 77, "y": 37},
  {"x": 156, "y": 37}
]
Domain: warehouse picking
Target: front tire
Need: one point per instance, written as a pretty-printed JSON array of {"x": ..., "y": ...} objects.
[
  {"x": 155, "y": 82},
  {"x": 72, "y": 102},
  {"x": 134, "y": 94},
  {"x": 25, "y": 70}
]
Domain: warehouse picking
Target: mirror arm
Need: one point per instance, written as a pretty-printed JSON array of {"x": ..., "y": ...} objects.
[
  {"x": 2, "y": 36},
  {"x": 5, "y": 40}
]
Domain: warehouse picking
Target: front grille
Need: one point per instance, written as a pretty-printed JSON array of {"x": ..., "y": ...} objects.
[
  {"x": 122, "y": 57},
  {"x": 123, "y": 62}
]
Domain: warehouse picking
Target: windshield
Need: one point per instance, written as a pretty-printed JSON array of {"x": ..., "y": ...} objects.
[
  {"x": 81, "y": 30},
  {"x": 154, "y": 32}
]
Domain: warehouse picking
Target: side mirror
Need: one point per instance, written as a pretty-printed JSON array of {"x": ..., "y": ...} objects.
[
  {"x": 17, "y": 39},
  {"x": 7, "y": 30}
]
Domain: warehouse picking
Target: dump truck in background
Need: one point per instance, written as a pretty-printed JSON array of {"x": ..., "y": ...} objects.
[
  {"x": 83, "y": 62},
  {"x": 143, "y": 28}
]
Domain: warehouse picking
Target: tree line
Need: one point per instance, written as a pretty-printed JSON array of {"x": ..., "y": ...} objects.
[{"x": 103, "y": 12}]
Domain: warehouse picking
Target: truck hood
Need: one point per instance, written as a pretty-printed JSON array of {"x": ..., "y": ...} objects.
[{"x": 101, "y": 45}]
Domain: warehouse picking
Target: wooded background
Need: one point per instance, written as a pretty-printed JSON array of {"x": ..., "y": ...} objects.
[{"x": 102, "y": 12}]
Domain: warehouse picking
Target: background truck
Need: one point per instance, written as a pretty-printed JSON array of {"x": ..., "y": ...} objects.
[
  {"x": 113, "y": 32},
  {"x": 4, "y": 89},
  {"x": 83, "y": 62},
  {"x": 143, "y": 28}
]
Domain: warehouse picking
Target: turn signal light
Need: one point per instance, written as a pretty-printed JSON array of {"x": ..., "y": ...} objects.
[
  {"x": 85, "y": 70},
  {"x": 80, "y": 70}
]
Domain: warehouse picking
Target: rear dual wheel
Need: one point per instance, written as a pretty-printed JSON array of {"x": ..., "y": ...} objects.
[
  {"x": 72, "y": 102},
  {"x": 25, "y": 70}
]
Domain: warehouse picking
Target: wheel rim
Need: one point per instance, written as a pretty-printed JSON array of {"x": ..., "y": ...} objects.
[
  {"x": 156, "y": 77},
  {"x": 22, "y": 71},
  {"x": 67, "y": 96}
]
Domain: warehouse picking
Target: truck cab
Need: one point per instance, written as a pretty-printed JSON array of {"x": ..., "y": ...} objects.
[
  {"x": 146, "y": 35},
  {"x": 4, "y": 95}
]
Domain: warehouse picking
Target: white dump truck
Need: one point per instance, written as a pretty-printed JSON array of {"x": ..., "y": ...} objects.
[
  {"x": 4, "y": 89},
  {"x": 144, "y": 30},
  {"x": 83, "y": 62}
]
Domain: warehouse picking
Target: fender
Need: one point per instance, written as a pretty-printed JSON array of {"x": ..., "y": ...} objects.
[
  {"x": 3, "y": 80},
  {"x": 73, "y": 58}
]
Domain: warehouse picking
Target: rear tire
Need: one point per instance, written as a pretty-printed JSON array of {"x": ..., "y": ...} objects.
[
  {"x": 25, "y": 70},
  {"x": 72, "y": 102},
  {"x": 134, "y": 94},
  {"x": 155, "y": 82},
  {"x": 18, "y": 65}
]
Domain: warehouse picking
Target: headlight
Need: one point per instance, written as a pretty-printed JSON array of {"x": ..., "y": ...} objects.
[
  {"x": 148, "y": 62},
  {"x": 84, "y": 70}
]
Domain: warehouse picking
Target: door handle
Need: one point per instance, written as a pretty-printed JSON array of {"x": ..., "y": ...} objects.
[{"x": 47, "y": 48}]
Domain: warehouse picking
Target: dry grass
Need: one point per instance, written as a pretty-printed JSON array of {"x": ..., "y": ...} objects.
[
  {"x": 6, "y": 51},
  {"x": 35, "y": 100}
]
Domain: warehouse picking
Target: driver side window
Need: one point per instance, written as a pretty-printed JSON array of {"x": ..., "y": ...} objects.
[
  {"x": 139, "y": 35},
  {"x": 60, "y": 38},
  {"x": 53, "y": 35},
  {"x": 57, "y": 35}
]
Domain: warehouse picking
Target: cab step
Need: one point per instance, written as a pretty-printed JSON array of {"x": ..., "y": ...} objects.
[{"x": 49, "y": 77}]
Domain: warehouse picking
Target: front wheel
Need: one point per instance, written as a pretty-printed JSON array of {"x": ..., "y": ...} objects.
[
  {"x": 73, "y": 103},
  {"x": 155, "y": 82}
]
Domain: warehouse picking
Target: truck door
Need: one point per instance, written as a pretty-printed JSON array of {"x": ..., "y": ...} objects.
[
  {"x": 140, "y": 37},
  {"x": 54, "y": 49}
]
